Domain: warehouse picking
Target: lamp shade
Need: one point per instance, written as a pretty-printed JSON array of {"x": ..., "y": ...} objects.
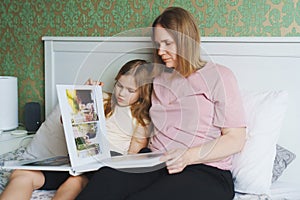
[{"x": 8, "y": 103}]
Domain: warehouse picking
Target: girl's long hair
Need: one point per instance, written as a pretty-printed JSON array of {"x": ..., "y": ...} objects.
[
  {"x": 181, "y": 25},
  {"x": 141, "y": 71}
]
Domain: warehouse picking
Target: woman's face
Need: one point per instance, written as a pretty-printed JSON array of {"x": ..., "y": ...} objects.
[
  {"x": 166, "y": 46},
  {"x": 126, "y": 91}
]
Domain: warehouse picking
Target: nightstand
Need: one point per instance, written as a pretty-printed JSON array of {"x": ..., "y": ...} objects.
[{"x": 10, "y": 142}]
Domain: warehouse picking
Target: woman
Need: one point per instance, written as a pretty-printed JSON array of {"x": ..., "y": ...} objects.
[{"x": 198, "y": 121}]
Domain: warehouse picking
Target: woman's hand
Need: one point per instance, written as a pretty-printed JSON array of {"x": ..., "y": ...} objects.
[
  {"x": 92, "y": 82},
  {"x": 176, "y": 160},
  {"x": 230, "y": 142}
]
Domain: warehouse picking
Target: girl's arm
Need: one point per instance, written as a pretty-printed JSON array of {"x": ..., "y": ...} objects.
[
  {"x": 137, "y": 144},
  {"x": 230, "y": 142},
  {"x": 93, "y": 82},
  {"x": 139, "y": 140}
]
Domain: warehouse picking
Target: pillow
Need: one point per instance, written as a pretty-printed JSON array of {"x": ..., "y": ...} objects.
[
  {"x": 283, "y": 158},
  {"x": 49, "y": 140},
  {"x": 252, "y": 167}
]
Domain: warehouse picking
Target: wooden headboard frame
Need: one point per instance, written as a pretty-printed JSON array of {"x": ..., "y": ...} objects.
[{"x": 259, "y": 63}]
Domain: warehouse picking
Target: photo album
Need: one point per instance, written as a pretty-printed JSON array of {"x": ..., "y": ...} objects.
[{"x": 83, "y": 119}]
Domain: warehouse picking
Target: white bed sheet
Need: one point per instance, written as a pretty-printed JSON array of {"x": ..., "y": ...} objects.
[
  {"x": 279, "y": 191},
  {"x": 282, "y": 190}
]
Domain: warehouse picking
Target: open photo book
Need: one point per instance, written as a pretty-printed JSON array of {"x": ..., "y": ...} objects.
[{"x": 83, "y": 119}]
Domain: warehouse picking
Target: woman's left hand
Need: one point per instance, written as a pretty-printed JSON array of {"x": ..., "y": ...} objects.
[{"x": 176, "y": 160}]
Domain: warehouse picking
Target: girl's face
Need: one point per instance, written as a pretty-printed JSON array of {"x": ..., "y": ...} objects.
[
  {"x": 126, "y": 91},
  {"x": 166, "y": 46}
]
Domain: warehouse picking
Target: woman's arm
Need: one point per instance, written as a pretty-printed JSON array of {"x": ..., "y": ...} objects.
[{"x": 230, "y": 142}]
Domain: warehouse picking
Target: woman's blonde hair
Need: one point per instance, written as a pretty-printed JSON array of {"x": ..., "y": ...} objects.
[
  {"x": 181, "y": 25},
  {"x": 141, "y": 71}
]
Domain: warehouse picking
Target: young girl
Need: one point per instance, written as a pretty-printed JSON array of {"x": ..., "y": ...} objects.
[{"x": 127, "y": 119}]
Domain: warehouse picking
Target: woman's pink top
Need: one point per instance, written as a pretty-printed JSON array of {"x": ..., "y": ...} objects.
[{"x": 190, "y": 111}]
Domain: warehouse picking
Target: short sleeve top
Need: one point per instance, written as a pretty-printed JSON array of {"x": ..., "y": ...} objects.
[
  {"x": 187, "y": 112},
  {"x": 120, "y": 127}
]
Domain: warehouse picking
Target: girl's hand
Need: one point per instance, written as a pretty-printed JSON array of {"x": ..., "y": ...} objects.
[
  {"x": 176, "y": 160},
  {"x": 92, "y": 82}
]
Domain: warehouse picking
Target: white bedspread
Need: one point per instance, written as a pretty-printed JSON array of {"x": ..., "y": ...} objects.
[{"x": 279, "y": 190}]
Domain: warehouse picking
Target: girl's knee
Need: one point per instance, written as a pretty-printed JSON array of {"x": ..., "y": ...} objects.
[{"x": 35, "y": 178}]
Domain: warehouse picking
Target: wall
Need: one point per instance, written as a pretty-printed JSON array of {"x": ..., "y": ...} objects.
[{"x": 24, "y": 22}]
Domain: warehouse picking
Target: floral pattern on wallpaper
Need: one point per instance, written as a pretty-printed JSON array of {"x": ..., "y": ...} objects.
[{"x": 24, "y": 22}]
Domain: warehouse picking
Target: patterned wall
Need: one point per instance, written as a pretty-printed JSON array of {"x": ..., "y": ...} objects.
[{"x": 24, "y": 22}]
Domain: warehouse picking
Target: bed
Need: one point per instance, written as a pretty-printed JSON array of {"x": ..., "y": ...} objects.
[{"x": 267, "y": 70}]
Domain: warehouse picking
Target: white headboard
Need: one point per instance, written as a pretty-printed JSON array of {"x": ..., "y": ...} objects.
[{"x": 259, "y": 63}]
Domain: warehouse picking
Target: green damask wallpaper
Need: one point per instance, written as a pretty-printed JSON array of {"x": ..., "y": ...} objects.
[{"x": 24, "y": 22}]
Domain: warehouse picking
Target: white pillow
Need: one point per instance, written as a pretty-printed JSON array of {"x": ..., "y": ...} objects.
[
  {"x": 49, "y": 140},
  {"x": 252, "y": 167}
]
